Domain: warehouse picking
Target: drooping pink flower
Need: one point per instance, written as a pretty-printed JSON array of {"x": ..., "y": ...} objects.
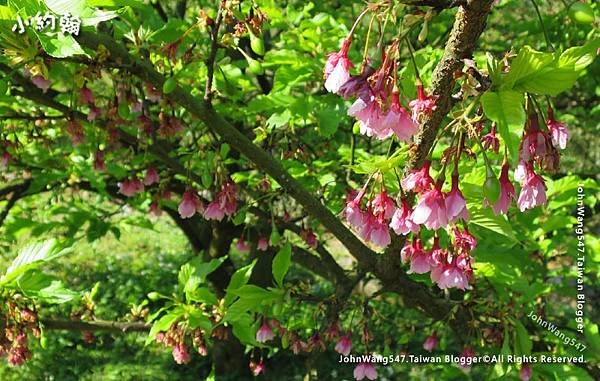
[
  {"x": 337, "y": 68},
  {"x": 525, "y": 372},
  {"x": 456, "y": 206},
  {"x": 464, "y": 363},
  {"x": 423, "y": 105},
  {"x": 257, "y": 368},
  {"x": 431, "y": 209},
  {"x": 93, "y": 113},
  {"x": 213, "y": 211},
  {"x": 535, "y": 142},
  {"x": 5, "y": 159},
  {"x": 418, "y": 180},
  {"x": 99, "y": 164},
  {"x": 181, "y": 354},
  {"x": 431, "y": 342},
  {"x": 418, "y": 258},
  {"x": 263, "y": 244},
  {"x": 242, "y": 246},
  {"x": 352, "y": 212},
  {"x": 129, "y": 187},
  {"x": 464, "y": 242},
  {"x": 151, "y": 176},
  {"x": 190, "y": 204},
  {"x": 155, "y": 209},
  {"x": 507, "y": 192},
  {"x": 491, "y": 141},
  {"x": 365, "y": 370},
  {"x": 370, "y": 117},
  {"x": 309, "y": 237},
  {"x": 315, "y": 343},
  {"x": 398, "y": 120},
  {"x": 86, "y": 96},
  {"x": 452, "y": 272},
  {"x": 41, "y": 82},
  {"x": 383, "y": 205},
  {"x": 169, "y": 126},
  {"x": 264, "y": 333},
  {"x": 375, "y": 229},
  {"x": 558, "y": 130},
  {"x": 333, "y": 331},
  {"x": 227, "y": 198},
  {"x": 533, "y": 190},
  {"x": 344, "y": 345},
  {"x": 402, "y": 220}
]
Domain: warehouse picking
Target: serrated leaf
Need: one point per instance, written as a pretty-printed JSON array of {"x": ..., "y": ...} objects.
[
  {"x": 239, "y": 278},
  {"x": 163, "y": 324},
  {"x": 32, "y": 256}
]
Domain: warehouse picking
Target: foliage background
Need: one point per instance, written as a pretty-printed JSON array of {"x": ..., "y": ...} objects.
[{"x": 519, "y": 264}]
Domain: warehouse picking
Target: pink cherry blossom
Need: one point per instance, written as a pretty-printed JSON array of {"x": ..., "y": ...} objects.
[
  {"x": 333, "y": 331},
  {"x": 430, "y": 343},
  {"x": 464, "y": 242},
  {"x": 213, "y": 211},
  {"x": 558, "y": 130},
  {"x": 456, "y": 206},
  {"x": 137, "y": 107},
  {"x": 344, "y": 345},
  {"x": 93, "y": 113},
  {"x": 190, "y": 204},
  {"x": 423, "y": 105},
  {"x": 181, "y": 354},
  {"x": 431, "y": 209},
  {"x": 465, "y": 355},
  {"x": 353, "y": 214},
  {"x": 151, "y": 176},
  {"x": 257, "y": 368},
  {"x": 533, "y": 190},
  {"x": 86, "y": 96},
  {"x": 370, "y": 117},
  {"x": 452, "y": 272},
  {"x": 525, "y": 372},
  {"x": 5, "y": 159},
  {"x": 263, "y": 244},
  {"x": 365, "y": 370},
  {"x": 242, "y": 246},
  {"x": 418, "y": 180},
  {"x": 357, "y": 85},
  {"x": 309, "y": 237},
  {"x": 399, "y": 121},
  {"x": 383, "y": 205},
  {"x": 155, "y": 209},
  {"x": 337, "y": 68},
  {"x": 129, "y": 187},
  {"x": 418, "y": 258},
  {"x": 535, "y": 143},
  {"x": 264, "y": 333},
  {"x": 491, "y": 141},
  {"x": 41, "y": 82},
  {"x": 507, "y": 192},
  {"x": 402, "y": 220}
]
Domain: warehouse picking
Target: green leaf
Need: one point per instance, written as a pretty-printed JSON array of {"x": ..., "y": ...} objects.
[
  {"x": 523, "y": 342},
  {"x": 32, "y": 256},
  {"x": 328, "y": 121},
  {"x": 244, "y": 330},
  {"x": 116, "y": 3},
  {"x": 47, "y": 288},
  {"x": 197, "y": 319},
  {"x": 281, "y": 263},
  {"x": 238, "y": 279},
  {"x": 59, "y": 45},
  {"x": 485, "y": 218},
  {"x": 202, "y": 295},
  {"x": 505, "y": 107}
]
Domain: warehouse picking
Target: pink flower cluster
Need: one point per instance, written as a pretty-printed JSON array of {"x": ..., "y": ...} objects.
[
  {"x": 225, "y": 203},
  {"x": 377, "y": 105}
]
